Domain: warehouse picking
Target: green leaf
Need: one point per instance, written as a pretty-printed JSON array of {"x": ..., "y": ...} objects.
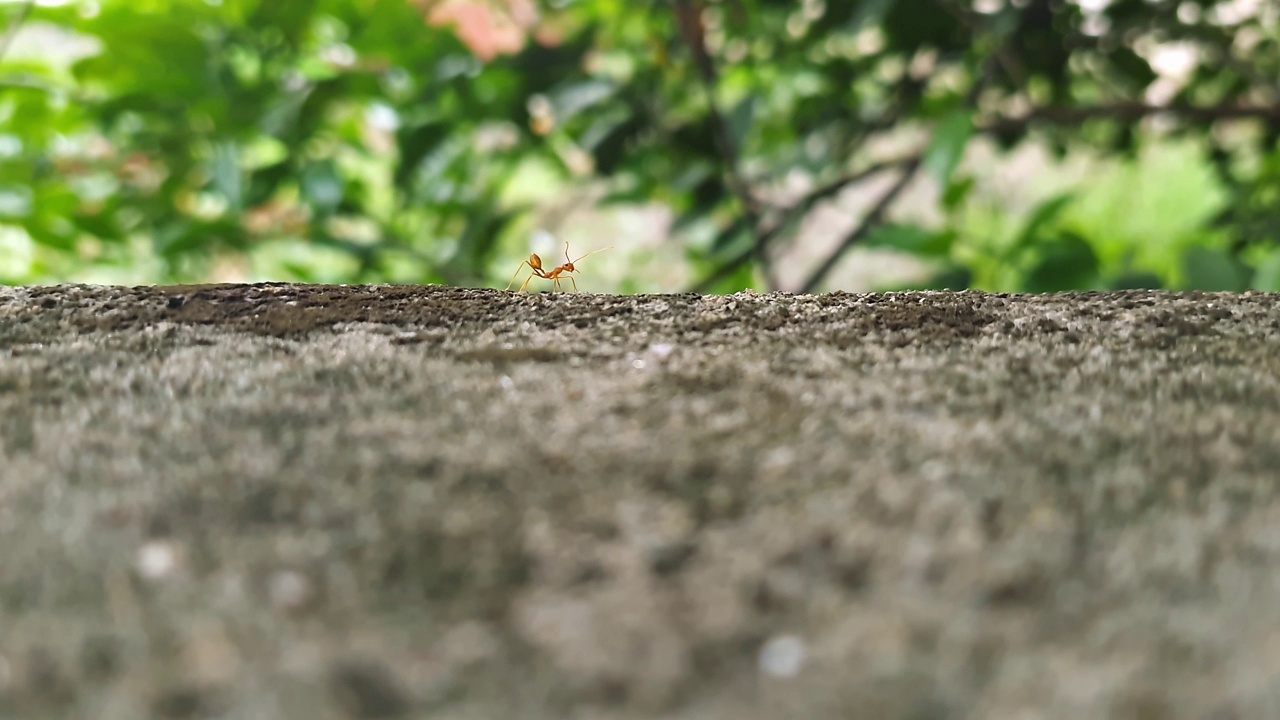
[
  {"x": 1132, "y": 67},
  {"x": 742, "y": 278},
  {"x": 301, "y": 273},
  {"x": 570, "y": 100},
  {"x": 189, "y": 237},
  {"x": 480, "y": 236},
  {"x": 738, "y": 233},
  {"x": 958, "y": 190},
  {"x": 155, "y": 53},
  {"x": 920, "y": 23},
  {"x": 869, "y": 13},
  {"x": 1211, "y": 270},
  {"x": 912, "y": 239},
  {"x": 416, "y": 144},
  {"x": 609, "y": 135},
  {"x": 262, "y": 152},
  {"x": 317, "y": 70},
  {"x": 15, "y": 202},
  {"x": 102, "y": 225},
  {"x": 954, "y": 278},
  {"x": 742, "y": 119},
  {"x": 1044, "y": 214},
  {"x": 227, "y": 179},
  {"x": 322, "y": 185},
  {"x": 1267, "y": 277},
  {"x": 694, "y": 174},
  {"x": 1137, "y": 281},
  {"x": 1066, "y": 263},
  {"x": 947, "y": 148}
]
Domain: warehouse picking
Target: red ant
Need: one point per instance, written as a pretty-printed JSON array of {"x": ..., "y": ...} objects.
[{"x": 555, "y": 275}]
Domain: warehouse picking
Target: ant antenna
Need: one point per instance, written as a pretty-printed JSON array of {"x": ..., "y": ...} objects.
[{"x": 593, "y": 252}]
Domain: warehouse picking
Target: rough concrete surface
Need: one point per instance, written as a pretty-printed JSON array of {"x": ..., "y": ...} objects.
[{"x": 280, "y": 501}]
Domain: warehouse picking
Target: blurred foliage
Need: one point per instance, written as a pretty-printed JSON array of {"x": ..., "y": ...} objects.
[{"x": 425, "y": 140}]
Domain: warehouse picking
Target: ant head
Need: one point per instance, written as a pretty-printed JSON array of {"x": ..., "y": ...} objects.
[{"x": 568, "y": 267}]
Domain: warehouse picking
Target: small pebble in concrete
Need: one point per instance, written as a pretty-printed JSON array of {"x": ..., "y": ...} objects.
[
  {"x": 156, "y": 559},
  {"x": 290, "y": 590},
  {"x": 782, "y": 656},
  {"x": 661, "y": 350}
]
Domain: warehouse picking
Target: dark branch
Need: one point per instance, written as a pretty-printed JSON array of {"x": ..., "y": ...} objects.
[
  {"x": 869, "y": 223},
  {"x": 1129, "y": 112},
  {"x": 1124, "y": 112},
  {"x": 875, "y": 215},
  {"x": 793, "y": 213},
  {"x": 1059, "y": 116},
  {"x": 689, "y": 19}
]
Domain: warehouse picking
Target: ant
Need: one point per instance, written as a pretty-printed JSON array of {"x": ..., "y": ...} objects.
[{"x": 555, "y": 275}]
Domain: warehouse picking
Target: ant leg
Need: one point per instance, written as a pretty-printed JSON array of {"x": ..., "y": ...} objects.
[
  {"x": 575, "y": 283},
  {"x": 513, "y": 277},
  {"x": 527, "y": 281}
]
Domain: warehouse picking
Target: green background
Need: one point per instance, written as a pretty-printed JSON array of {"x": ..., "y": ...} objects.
[{"x": 874, "y": 144}]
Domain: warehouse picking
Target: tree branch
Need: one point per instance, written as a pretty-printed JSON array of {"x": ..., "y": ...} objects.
[
  {"x": 869, "y": 222},
  {"x": 792, "y": 214},
  {"x": 873, "y": 217},
  {"x": 689, "y": 19},
  {"x": 889, "y": 119},
  {"x": 1123, "y": 111},
  {"x": 1129, "y": 112}
]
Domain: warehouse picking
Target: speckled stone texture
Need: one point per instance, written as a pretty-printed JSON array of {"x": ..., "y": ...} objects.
[{"x": 284, "y": 501}]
